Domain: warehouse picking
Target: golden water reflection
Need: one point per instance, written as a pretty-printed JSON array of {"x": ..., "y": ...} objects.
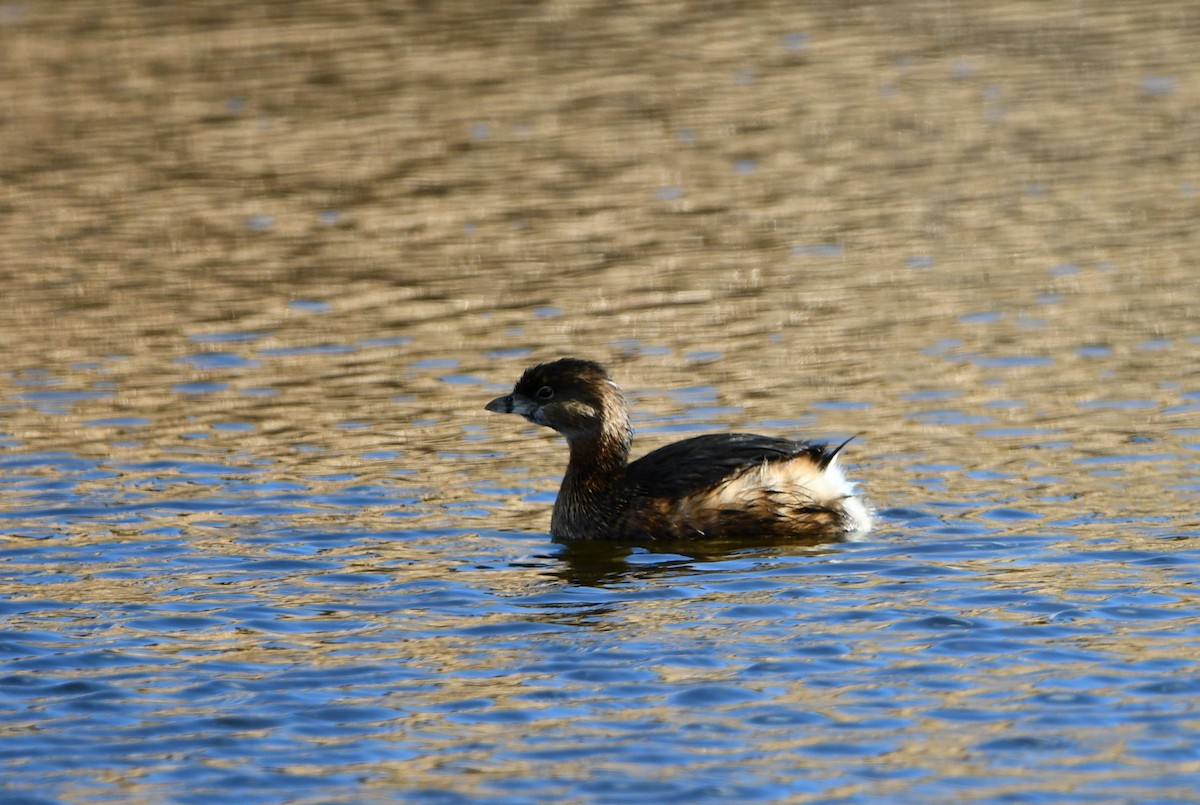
[{"x": 263, "y": 265}]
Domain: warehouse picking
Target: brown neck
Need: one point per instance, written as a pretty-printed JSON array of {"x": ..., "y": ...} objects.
[
  {"x": 590, "y": 488},
  {"x": 603, "y": 451}
]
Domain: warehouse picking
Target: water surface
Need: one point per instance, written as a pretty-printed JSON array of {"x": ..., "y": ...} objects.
[{"x": 264, "y": 266}]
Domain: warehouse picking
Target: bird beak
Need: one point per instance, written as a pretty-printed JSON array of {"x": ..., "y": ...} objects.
[
  {"x": 501, "y": 405},
  {"x": 512, "y": 404}
]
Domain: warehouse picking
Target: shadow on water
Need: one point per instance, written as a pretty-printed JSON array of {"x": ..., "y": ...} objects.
[{"x": 604, "y": 564}]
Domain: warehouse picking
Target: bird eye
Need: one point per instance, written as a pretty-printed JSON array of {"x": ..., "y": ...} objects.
[{"x": 545, "y": 393}]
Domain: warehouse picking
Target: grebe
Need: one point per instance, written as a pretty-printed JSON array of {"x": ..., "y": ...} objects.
[{"x": 727, "y": 485}]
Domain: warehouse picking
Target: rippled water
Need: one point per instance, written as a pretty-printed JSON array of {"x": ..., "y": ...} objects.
[
  {"x": 265, "y": 265},
  {"x": 182, "y": 622}
]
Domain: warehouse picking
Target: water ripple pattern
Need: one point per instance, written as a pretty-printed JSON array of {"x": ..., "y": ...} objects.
[
  {"x": 251, "y": 649},
  {"x": 264, "y": 264}
]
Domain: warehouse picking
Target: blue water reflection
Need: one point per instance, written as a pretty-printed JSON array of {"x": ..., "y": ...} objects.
[
  {"x": 259, "y": 539},
  {"x": 303, "y": 657}
]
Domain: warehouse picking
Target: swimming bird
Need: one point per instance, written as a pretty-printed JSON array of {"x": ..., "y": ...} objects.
[{"x": 727, "y": 485}]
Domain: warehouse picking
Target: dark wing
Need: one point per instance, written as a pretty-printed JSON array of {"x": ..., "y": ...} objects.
[{"x": 694, "y": 465}]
